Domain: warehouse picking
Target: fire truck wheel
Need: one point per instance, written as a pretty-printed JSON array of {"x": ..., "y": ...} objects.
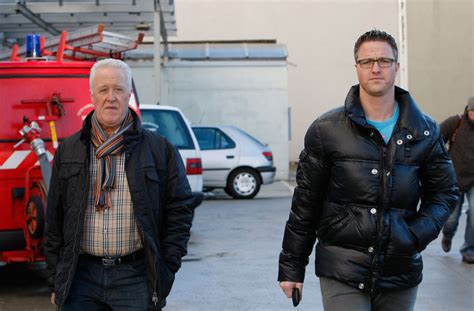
[{"x": 35, "y": 217}]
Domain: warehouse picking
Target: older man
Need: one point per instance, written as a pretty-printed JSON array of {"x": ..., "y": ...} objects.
[
  {"x": 360, "y": 176},
  {"x": 118, "y": 215}
]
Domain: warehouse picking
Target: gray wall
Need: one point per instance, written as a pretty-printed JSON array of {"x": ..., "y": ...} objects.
[
  {"x": 252, "y": 95},
  {"x": 319, "y": 35},
  {"x": 441, "y": 55}
]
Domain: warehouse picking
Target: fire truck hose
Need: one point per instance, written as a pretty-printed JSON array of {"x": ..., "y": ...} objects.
[
  {"x": 38, "y": 147},
  {"x": 31, "y": 135},
  {"x": 45, "y": 169}
]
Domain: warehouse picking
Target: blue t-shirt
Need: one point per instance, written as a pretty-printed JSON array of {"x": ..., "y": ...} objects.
[{"x": 386, "y": 127}]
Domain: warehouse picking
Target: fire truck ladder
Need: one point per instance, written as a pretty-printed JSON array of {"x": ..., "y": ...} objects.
[{"x": 88, "y": 43}]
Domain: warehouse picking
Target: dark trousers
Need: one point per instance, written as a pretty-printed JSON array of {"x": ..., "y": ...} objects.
[
  {"x": 338, "y": 296},
  {"x": 99, "y": 287},
  {"x": 451, "y": 225}
]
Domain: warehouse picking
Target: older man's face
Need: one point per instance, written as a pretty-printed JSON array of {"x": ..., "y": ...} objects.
[{"x": 110, "y": 95}]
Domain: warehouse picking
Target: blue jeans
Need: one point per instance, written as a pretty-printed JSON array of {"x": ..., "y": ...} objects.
[
  {"x": 451, "y": 225},
  {"x": 99, "y": 287}
]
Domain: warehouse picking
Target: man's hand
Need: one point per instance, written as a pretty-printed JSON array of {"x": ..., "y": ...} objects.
[
  {"x": 53, "y": 296},
  {"x": 287, "y": 287}
]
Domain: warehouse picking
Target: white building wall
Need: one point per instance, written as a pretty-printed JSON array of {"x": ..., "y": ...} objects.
[
  {"x": 250, "y": 95},
  {"x": 319, "y": 35},
  {"x": 144, "y": 80},
  {"x": 441, "y": 55}
]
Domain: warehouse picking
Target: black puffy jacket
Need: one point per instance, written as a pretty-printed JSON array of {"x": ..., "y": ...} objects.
[
  {"x": 359, "y": 197},
  {"x": 161, "y": 198}
]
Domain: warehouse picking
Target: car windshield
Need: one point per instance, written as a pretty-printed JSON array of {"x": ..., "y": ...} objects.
[{"x": 169, "y": 124}]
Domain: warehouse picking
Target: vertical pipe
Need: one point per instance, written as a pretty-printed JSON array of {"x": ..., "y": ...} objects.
[
  {"x": 403, "y": 44},
  {"x": 157, "y": 54}
]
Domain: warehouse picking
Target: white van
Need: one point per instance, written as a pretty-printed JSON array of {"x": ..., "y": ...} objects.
[{"x": 170, "y": 123}]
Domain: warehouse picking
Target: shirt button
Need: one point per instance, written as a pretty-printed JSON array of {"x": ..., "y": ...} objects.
[
  {"x": 361, "y": 285},
  {"x": 374, "y": 171},
  {"x": 427, "y": 133},
  {"x": 373, "y": 211},
  {"x": 409, "y": 136},
  {"x": 399, "y": 142},
  {"x": 370, "y": 249}
]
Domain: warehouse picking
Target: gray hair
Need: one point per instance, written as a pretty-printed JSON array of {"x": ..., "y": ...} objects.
[{"x": 112, "y": 63}]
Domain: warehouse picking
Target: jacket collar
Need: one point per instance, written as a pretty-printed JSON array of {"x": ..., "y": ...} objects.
[
  {"x": 410, "y": 119},
  {"x": 131, "y": 136}
]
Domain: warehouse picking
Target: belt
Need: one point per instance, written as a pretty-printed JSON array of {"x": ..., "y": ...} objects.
[{"x": 113, "y": 261}]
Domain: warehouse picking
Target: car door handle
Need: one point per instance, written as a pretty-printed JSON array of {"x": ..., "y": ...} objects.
[{"x": 230, "y": 157}]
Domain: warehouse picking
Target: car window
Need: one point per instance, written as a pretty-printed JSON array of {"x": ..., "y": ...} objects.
[
  {"x": 213, "y": 138},
  {"x": 252, "y": 138},
  {"x": 170, "y": 124}
]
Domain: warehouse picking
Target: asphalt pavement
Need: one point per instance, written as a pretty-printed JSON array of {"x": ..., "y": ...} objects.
[
  {"x": 233, "y": 256},
  {"x": 232, "y": 264}
]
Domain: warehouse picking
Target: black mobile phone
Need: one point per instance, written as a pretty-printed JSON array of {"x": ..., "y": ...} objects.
[{"x": 296, "y": 296}]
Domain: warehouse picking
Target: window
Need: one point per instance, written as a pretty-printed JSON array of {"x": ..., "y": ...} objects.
[
  {"x": 252, "y": 138},
  {"x": 170, "y": 124},
  {"x": 212, "y": 138}
]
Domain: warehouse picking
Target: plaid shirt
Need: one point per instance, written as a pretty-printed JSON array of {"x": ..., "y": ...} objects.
[{"x": 112, "y": 232}]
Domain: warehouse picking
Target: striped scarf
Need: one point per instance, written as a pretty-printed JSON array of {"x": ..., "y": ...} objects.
[{"x": 106, "y": 149}]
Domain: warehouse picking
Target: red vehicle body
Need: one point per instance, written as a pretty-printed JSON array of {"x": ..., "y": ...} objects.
[{"x": 54, "y": 94}]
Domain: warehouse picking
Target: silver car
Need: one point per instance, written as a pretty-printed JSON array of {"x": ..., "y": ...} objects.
[
  {"x": 233, "y": 160},
  {"x": 171, "y": 123}
]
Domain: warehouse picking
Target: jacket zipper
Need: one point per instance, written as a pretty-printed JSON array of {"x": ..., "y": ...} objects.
[
  {"x": 155, "y": 297},
  {"x": 380, "y": 217},
  {"x": 383, "y": 205}
]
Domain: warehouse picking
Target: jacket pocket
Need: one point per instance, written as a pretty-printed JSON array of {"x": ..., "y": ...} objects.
[
  {"x": 333, "y": 220},
  {"x": 153, "y": 185},
  {"x": 152, "y": 179},
  {"x": 69, "y": 179},
  {"x": 401, "y": 242}
]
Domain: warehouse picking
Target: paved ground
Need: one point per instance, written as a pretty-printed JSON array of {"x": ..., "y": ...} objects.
[{"x": 232, "y": 264}]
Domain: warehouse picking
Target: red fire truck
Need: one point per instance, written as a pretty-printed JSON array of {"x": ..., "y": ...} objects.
[{"x": 43, "y": 100}]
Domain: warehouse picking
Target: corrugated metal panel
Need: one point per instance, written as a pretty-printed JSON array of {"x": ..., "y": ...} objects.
[
  {"x": 46, "y": 17},
  {"x": 218, "y": 51}
]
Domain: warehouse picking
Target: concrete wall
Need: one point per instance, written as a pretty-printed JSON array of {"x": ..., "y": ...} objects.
[
  {"x": 252, "y": 95},
  {"x": 319, "y": 35},
  {"x": 143, "y": 78},
  {"x": 441, "y": 55}
]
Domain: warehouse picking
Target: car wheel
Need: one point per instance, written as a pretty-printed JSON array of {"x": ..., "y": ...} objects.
[{"x": 243, "y": 184}]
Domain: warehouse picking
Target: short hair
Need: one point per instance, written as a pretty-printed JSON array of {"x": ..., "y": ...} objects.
[
  {"x": 111, "y": 63},
  {"x": 376, "y": 35}
]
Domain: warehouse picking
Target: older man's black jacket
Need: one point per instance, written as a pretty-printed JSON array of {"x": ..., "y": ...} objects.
[
  {"x": 161, "y": 198},
  {"x": 359, "y": 197}
]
